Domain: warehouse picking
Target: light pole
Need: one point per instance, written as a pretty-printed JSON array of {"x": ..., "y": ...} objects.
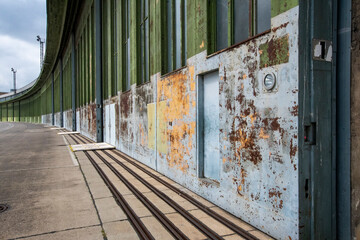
[
  {"x": 14, "y": 74},
  {"x": 38, "y": 38}
]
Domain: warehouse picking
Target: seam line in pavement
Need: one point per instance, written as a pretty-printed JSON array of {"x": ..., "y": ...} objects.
[
  {"x": 34, "y": 169},
  {"x": 52, "y": 232},
  {"x": 93, "y": 200},
  {"x": 72, "y": 155}
]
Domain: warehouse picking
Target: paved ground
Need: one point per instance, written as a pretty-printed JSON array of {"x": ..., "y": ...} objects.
[
  {"x": 52, "y": 197},
  {"x": 46, "y": 192}
]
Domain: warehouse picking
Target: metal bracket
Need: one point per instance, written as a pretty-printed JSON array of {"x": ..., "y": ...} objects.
[
  {"x": 310, "y": 134},
  {"x": 322, "y": 50}
]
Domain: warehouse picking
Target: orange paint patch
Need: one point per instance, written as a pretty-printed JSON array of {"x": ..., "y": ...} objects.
[
  {"x": 263, "y": 135},
  {"x": 177, "y": 92}
]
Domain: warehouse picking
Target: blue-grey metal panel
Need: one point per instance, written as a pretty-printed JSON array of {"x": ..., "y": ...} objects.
[
  {"x": 169, "y": 36},
  {"x": 98, "y": 74},
  {"x": 221, "y": 24},
  {"x": 178, "y": 39},
  {"x": 263, "y": 15},
  {"x": 343, "y": 72},
  {"x": 211, "y": 126},
  {"x": 241, "y": 20}
]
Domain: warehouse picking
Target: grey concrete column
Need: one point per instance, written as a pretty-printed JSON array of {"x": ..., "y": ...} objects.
[
  {"x": 98, "y": 67},
  {"x": 52, "y": 100},
  {"x": 73, "y": 82}
]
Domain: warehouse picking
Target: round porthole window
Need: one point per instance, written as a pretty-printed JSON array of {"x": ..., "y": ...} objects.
[{"x": 269, "y": 81}]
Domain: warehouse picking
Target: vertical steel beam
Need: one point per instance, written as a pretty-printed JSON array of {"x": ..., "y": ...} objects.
[
  {"x": 52, "y": 100},
  {"x": 73, "y": 82},
  {"x": 317, "y": 108},
  {"x": 61, "y": 95},
  {"x": 343, "y": 75},
  {"x": 98, "y": 67}
]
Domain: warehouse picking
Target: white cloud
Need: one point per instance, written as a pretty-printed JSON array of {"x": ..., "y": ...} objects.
[{"x": 21, "y": 55}]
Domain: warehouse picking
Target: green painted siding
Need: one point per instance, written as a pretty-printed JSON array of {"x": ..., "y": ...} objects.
[
  {"x": 196, "y": 26},
  {"x": 10, "y": 117},
  {"x": 280, "y": 6},
  {"x": 4, "y": 112},
  {"x": 57, "y": 90},
  {"x": 16, "y": 112}
]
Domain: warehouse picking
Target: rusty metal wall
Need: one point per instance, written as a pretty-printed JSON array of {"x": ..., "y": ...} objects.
[{"x": 156, "y": 123}]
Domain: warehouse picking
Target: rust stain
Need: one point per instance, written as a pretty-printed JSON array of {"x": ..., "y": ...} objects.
[
  {"x": 294, "y": 110},
  {"x": 93, "y": 119},
  {"x": 117, "y": 118},
  {"x": 274, "y": 196},
  {"x": 125, "y": 111},
  {"x": 293, "y": 150},
  {"x": 279, "y": 27}
]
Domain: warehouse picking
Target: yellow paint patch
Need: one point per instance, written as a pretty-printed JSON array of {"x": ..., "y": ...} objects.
[
  {"x": 151, "y": 125},
  {"x": 224, "y": 160},
  {"x": 252, "y": 118},
  {"x": 202, "y": 44},
  {"x": 161, "y": 127}
]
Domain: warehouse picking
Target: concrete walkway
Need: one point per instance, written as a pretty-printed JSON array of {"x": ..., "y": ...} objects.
[
  {"x": 51, "y": 196},
  {"x": 47, "y": 195}
]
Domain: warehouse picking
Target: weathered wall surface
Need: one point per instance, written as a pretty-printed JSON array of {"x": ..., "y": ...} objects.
[
  {"x": 86, "y": 120},
  {"x": 156, "y": 123},
  {"x": 46, "y": 119},
  {"x": 355, "y": 120}
]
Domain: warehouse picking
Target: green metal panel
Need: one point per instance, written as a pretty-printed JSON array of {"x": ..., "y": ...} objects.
[
  {"x": 4, "y": 112},
  {"x": 10, "y": 112},
  {"x": 57, "y": 92},
  {"x": 16, "y": 111},
  {"x": 92, "y": 43},
  {"x": 105, "y": 52},
  {"x": 196, "y": 27},
  {"x": 155, "y": 36},
  {"x": 118, "y": 44},
  {"x": 134, "y": 40},
  {"x": 280, "y": 6}
]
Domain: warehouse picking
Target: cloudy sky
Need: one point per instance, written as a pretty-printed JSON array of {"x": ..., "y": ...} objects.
[{"x": 20, "y": 22}]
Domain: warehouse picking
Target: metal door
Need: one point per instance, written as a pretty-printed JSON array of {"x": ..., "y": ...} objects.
[{"x": 211, "y": 125}]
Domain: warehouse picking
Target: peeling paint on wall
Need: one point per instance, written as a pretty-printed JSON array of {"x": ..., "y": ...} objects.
[
  {"x": 176, "y": 126},
  {"x": 274, "y": 52},
  {"x": 151, "y": 125}
]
